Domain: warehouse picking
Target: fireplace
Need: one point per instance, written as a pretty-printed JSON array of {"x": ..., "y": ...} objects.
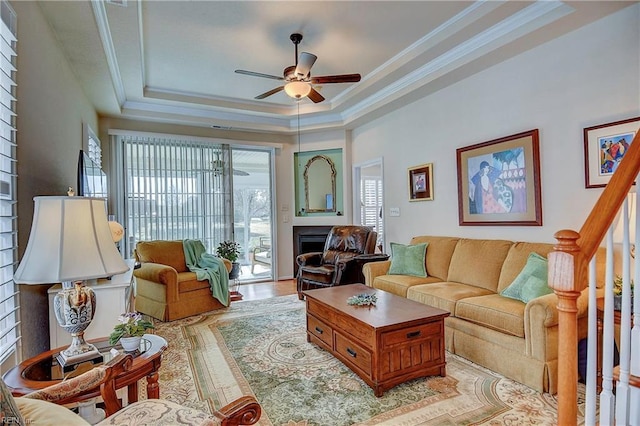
[{"x": 307, "y": 239}]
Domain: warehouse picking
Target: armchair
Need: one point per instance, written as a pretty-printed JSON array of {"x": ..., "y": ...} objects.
[
  {"x": 337, "y": 264},
  {"x": 41, "y": 407},
  {"x": 165, "y": 288},
  {"x": 261, "y": 254}
]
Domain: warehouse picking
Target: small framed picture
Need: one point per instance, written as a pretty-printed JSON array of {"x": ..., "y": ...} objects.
[
  {"x": 499, "y": 182},
  {"x": 604, "y": 147},
  {"x": 421, "y": 182}
]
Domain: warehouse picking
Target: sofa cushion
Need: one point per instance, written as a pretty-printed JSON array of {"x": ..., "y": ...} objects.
[
  {"x": 438, "y": 254},
  {"x": 398, "y": 284},
  {"x": 408, "y": 260},
  {"x": 9, "y": 411},
  {"x": 493, "y": 311},
  {"x": 478, "y": 262},
  {"x": 517, "y": 258},
  {"x": 47, "y": 413},
  {"x": 444, "y": 295},
  {"x": 169, "y": 253},
  {"x": 531, "y": 282},
  {"x": 187, "y": 281}
]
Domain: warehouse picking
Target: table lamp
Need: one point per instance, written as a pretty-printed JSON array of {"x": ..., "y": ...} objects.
[{"x": 71, "y": 242}]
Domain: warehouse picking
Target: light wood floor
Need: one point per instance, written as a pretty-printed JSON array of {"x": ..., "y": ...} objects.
[{"x": 268, "y": 289}]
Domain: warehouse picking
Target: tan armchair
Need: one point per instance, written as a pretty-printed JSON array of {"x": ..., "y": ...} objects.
[
  {"x": 337, "y": 264},
  {"x": 41, "y": 407},
  {"x": 165, "y": 287}
]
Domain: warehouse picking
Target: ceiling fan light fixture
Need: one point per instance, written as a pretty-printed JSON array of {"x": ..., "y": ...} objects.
[{"x": 297, "y": 89}]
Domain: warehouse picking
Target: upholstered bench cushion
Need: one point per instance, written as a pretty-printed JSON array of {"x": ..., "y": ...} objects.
[
  {"x": 444, "y": 295},
  {"x": 493, "y": 311}
]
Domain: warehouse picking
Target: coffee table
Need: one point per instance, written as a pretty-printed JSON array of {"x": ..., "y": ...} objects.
[
  {"x": 43, "y": 370},
  {"x": 387, "y": 344}
]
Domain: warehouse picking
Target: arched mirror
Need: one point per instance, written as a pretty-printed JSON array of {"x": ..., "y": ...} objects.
[{"x": 320, "y": 185}]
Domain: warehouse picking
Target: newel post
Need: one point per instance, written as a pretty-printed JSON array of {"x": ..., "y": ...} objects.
[{"x": 564, "y": 273}]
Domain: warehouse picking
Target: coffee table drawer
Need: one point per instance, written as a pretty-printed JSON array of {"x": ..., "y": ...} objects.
[
  {"x": 319, "y": 329},
  {"x": 355, "y": 354},
  {"x": 411, "y": 334}
]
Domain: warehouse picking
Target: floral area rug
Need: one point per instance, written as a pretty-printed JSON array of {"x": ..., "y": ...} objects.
[{"x": 259, "y": 348}]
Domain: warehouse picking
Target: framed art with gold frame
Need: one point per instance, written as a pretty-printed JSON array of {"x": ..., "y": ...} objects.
[
  {"x": 499, "y": 181},
  {"x": 421, "y": 182}
]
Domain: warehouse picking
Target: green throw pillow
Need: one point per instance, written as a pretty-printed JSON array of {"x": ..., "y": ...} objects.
[
  {"x": 531, "y": 282},
  {"x": 408, "y": 260}
]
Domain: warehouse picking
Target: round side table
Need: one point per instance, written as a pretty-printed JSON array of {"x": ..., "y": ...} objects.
[{"x": 43, "y": 370}]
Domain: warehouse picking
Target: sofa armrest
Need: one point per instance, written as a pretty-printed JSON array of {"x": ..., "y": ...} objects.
[
  {"x": 541, "y": 314},
  {"x": 161, "y": 274},
  {"x": 371, "y": 270},
  {"x": 312, "y": 258}
]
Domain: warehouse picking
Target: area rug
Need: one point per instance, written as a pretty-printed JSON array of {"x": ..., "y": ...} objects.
[{"x": 259, "y": 348}]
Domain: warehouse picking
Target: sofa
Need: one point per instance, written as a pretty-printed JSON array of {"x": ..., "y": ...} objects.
[
  {"x": 465, "y": 277},
  {"x": 165, "y": 288}
]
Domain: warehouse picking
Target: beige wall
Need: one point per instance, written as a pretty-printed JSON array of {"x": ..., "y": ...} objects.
[
  {"x": 51, "y": 109},
  {"x": 587, "y": 77}
]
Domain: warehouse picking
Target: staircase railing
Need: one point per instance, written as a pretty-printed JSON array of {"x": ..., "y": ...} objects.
[{"x": 569, "y": 275}]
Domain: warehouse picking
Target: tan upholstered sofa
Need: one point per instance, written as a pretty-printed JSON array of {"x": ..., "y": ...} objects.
[
  {"x": 465, "y": 277},
  {"x": 165, "y": 288}
]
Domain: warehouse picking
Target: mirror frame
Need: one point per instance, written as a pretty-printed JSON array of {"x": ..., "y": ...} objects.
[{"x": 306, "y": 183}]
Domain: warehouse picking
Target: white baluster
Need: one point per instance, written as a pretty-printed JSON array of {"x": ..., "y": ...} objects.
[
  {"x": 634, "y": 412},
  {"x": 622, "y": 386},
  {"x": 607, "y": 399},
  {"x": 592, "y": 349}
]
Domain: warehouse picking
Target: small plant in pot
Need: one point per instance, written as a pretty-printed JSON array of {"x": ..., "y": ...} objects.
[
  {"x": 129, "y": 331},
  {"x": 617, "y": 293},
  {"x": 230, "y": 250}
]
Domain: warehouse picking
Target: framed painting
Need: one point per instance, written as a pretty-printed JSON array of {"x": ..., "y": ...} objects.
[
  {"x": 499, "y": 182},
  {"x": 604, "y": 148},
  {"x": 421, "y": 182}
]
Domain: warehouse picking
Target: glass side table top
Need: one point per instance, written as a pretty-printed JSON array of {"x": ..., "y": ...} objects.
[{"x": 48, "y": 369}]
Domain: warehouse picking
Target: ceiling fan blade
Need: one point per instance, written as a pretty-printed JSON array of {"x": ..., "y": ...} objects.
[
  {"x": 305, "y": 62},
  {"x": 270, "y": 92},
  {"x": 237, "y": 172},
  {"x": 315, "y": 96},
  {"x": 259, "y": 74},
  {"x": 343, "y": 78}
]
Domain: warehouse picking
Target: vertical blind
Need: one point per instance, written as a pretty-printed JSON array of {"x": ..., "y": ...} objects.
[
  {"x": 8, "y": 219},
  {"x": 371, "y": 193},
  {"x": 176, "y": 189}
]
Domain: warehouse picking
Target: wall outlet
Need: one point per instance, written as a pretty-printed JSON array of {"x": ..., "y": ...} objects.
[{"x": 394, "y": 211}]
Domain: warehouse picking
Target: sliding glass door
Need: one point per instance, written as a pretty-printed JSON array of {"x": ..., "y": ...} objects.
[{"x": 177, "y": 189}]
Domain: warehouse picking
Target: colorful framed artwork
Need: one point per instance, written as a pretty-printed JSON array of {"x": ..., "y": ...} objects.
[
  {"x": 499, "y": 182},
  {"x": 604, "y": 148},
  {"x": 421, "y": 182}
]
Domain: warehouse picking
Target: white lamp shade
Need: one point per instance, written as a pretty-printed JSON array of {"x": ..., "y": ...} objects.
[
  {"x": 297, "y": 89},
  {"x": 70, "y": 240}
]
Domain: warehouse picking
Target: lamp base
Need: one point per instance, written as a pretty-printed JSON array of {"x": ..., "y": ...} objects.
[{"x": 70, "y": 364}]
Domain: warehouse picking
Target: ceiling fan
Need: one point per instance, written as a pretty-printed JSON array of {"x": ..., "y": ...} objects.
[{"x": 298, "y": 80}]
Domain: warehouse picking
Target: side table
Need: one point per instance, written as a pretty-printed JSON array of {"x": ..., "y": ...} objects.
[{"x": 43, "y": 370}]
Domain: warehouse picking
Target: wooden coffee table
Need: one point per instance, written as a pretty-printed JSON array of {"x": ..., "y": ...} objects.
[{"x": 387, "y": 344}]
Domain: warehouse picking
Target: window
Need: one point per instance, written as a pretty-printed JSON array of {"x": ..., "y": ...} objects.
[{"x": 8, "y": 220}]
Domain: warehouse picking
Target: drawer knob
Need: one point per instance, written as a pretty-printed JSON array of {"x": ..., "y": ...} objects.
[
  {"x": 319, "y": 330},
  {"x": 351, "y": 352},
  {"x": 413, "y": 334}
]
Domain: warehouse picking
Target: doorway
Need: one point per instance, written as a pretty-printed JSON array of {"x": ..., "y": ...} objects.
[{"x": 368, "y": 197}]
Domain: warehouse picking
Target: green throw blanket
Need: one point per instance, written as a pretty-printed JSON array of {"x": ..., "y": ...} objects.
[{"x": 209, "y": 267}]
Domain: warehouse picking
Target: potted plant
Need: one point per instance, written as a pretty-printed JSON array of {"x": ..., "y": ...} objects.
[
  {"x": 230, "y": 250},
  {"x": 129, "y": 331},
  {"x": 617, "y": 293}
]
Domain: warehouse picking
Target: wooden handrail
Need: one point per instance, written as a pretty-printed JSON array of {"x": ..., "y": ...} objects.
[{"x": 568, "y": 274}]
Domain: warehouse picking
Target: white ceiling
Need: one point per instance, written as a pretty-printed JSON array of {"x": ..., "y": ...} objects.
[{"x": 174, "y": 61}]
